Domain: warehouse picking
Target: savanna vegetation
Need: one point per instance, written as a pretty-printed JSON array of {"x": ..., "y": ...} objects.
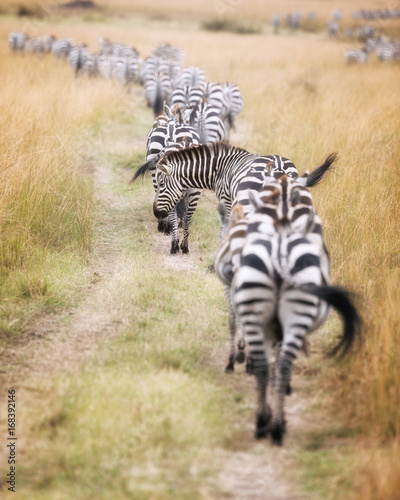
[{"x": 148, "y": 412}]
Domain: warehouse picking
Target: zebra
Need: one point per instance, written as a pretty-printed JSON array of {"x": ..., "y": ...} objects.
[
  {"x": 191, "y": 75},
  {"x": 356, "y": 56},
  {"x": 219, "y": 167},
  {"x": 280, "y": 195},
  {"x": 235, "y": 104},
  {"x": 168, "y": 135},
  {"x": 279, "y": 296},
  {"x": 157, "y": 91},
  {"x": 62, "y": 47},
  {"x": 39, "y": 44},
  {"x": 276, "y": 22},
  {"x": 91, "y": 65},
  {"x": 333, "y": 28},
  {"x": 205, "y": 118},
  {"x": 77, "y": 58},
  {"x": 167, "y": 51},
  {"x": 106, "y": 65},
  {"x": 126, "y": 69},
  {"x": 17, "y": 41}
]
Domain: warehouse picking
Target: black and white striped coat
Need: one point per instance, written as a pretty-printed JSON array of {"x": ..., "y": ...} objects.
[
  {"x": 157, "y": 90},
  {"x": 168, "y": 134},
  {"x": 279, "y": 296},
  {"x": 205, "y": 118},
  {"x": 282, "y": 197},
  {"x": 218, "y": 167},
  {"x": 17, "y": 41},
  {"x": 78, "y": 57},
  {"x": 61, "y": 48}
]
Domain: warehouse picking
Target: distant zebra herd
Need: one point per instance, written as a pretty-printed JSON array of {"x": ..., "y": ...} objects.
[
  {"x": 271, "y": 257},
  {"x": 386, "y": 49}
]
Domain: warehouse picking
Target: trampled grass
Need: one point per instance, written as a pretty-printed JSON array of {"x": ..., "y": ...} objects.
[{"x": 301, "y": 102}]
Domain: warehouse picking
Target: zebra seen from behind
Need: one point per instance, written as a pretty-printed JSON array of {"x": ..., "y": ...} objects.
[
  {"x": 17, "y": 41},
  {"x": 282, "y": 196},
  {"x": 279, "y": 297}
]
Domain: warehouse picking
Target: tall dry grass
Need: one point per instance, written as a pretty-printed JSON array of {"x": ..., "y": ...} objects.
[{"x": 46, "y": 201}]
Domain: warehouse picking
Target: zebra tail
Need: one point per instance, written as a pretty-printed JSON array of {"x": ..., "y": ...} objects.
[
  {"x": 142, "y": 171},
  {"x": 341, "y": 300},
  {"x": 316, "y": 175},
  {"x": 158, "y": 105}
]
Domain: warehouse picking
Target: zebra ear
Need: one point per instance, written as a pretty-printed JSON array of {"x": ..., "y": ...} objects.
[
  {"x": 256, "y": 202},
  {"x": 167, "y": 110},
  {"x": 309, "y": 224},
  {"x": 165, "y": 168}
]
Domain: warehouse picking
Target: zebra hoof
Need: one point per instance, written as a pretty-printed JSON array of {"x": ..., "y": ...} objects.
[
  {"x": 240, "y": 357},
  {"x": 288, "y": 391},
  {"x": 249, "y": 367},
  {"x": 277, "y": 433},
  {"x": 185, "y": 248},
  {"x": 262, "y": 426},
  {"x": 174, "y": 247},
  {"x": 230, "y": 367}
]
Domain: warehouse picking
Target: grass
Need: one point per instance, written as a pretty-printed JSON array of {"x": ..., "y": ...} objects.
[{"x": 302, "y": 102}]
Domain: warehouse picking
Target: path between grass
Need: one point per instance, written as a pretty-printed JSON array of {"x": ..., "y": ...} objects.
[{"x": 67, "y": 343}]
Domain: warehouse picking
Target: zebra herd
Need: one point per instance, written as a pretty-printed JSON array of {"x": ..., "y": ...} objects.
[{"x": 271, "y": 257}]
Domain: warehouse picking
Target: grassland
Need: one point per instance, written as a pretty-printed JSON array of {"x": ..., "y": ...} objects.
[{"x": 154, "y": 379}]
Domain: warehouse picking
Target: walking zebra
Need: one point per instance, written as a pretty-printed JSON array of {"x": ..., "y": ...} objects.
[
  {"x": 235, "y": 104},
  {"x": 40, "y": 44},
  {"x": 356, "y": 56},
  {"x": 279, "y": 297},
  {"x": 191, "y": 75},
  {"x": 17, "y": 41},
  {"x": 282, "y": 196},
  {"x": 91, "y": 65},
  {"x": 126, "y": 69},
  {"x": 276, "y": 22},
  {"x": 218, "y": 167},
  {"x": 168, "y": 135},
  {"x": 205, "y": 118},
  {"x": 77, "y": 58},
  {"x": 157, "y": 91},
  {"x": 62, "y": 47}
]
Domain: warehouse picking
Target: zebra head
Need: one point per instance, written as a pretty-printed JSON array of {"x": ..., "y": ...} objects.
[{"x": 169, "y": 185}]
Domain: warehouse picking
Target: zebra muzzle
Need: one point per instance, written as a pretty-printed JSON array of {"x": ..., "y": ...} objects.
[{"x": 160, "y": 214}]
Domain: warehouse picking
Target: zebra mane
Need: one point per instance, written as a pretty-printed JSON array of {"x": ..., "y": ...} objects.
[{"x": 215, "y": 149}]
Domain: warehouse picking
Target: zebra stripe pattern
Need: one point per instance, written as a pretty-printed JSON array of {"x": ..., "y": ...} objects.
[
  {"x": 281, "y": 197},
  {"x": 167, "y": 135},
  {"x": 218, "y": 167},
  {"x": 157, "y": 90},
  {"x": 279, "y": 297},
  {"x": 78, "y": 57},
  {"x": 61, "y": 48},
  {"x": 205, "y": 118},
  {"x": 17, "y": 41}
]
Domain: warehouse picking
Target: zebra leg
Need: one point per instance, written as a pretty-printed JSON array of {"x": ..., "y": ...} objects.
[
  {"x": 241, "y": 356},
  {"x": 175, "y": 234},
  {"x": 193, "y": 198},
  {"x": 282, "y": 373},
  {"x": 259, "y": 355},
  {"x": 230, "y": 367}
]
